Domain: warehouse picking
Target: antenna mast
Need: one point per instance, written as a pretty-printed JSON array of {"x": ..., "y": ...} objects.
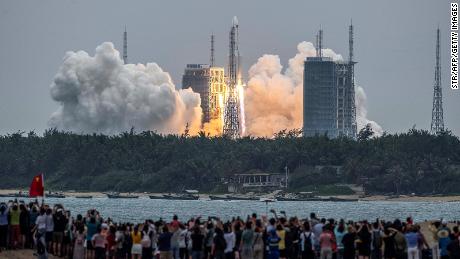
[{"x": 125, "y": 47}]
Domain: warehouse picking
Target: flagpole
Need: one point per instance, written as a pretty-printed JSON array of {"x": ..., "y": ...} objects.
[{"x": 43, "y": 182}]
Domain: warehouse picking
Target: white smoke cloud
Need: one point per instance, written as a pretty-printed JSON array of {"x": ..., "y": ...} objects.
[
  {"x": 101, "y": 94},
  {"x": 361, "y": 112},
  {"x": 273, "y": 98}
]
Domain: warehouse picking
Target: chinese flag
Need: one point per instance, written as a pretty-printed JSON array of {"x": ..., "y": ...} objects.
[{"x": 36, "y": 187}]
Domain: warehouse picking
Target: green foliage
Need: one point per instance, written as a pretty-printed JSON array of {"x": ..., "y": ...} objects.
[{"x": 415, "y": 161}]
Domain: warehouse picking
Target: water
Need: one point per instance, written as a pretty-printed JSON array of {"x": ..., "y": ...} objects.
[{"x": 137, "y": 210}]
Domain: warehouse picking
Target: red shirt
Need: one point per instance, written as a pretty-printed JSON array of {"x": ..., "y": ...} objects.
[{"x": 110, "y": 241}]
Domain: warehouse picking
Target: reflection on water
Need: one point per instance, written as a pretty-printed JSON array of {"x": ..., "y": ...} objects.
[{"x": 136, "y": 210}]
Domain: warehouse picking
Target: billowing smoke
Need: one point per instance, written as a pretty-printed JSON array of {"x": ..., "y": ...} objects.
[
  {"x": 361, "y": 112},
  {"x": 101, "y": 94},
  {"x": 273, "y": 98}
]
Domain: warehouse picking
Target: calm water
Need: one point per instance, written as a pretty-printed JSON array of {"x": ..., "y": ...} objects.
[{"x": 136, "y": 210}]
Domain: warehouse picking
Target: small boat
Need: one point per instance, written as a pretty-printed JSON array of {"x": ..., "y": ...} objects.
[
  {"x": 55, "y": 195},
  {"x": 120, "y": 196},
  {"x": 242, "y": 198},
  {"x": 267, "y": 200},
  {"x": 219, "y": 198},
  {"x": 185, "y": 197},
  {"x": 84, "y": 196},
  {"x": 155, "y": 197},
  {"x": 335, "y": 199}
]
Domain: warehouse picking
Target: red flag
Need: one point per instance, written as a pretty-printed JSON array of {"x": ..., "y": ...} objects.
[{"x": 36, "y": 187}]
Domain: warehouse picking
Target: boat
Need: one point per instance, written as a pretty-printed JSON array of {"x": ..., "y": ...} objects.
[
  {"x": 55, "y": 195},
  {"x": 84, "y": 196},
  {"x": 219, "y": 198},
  {"x": 155, "y": 197},
  {"x": 116, "y": 195},
  {"x": 180, "y": 197},
  {"x": 267, "y": 200}
]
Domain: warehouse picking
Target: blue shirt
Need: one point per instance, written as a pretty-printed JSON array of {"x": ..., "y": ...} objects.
[
  {"x": 4, "y": 218},
  {"x": 412, "y": 239},
  {"x": 91, "y": 230}
]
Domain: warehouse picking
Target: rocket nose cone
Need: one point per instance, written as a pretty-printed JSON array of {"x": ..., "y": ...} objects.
[{"x": 235, "y": 21}]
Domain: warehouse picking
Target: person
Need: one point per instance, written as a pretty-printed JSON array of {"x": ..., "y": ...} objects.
[
  {"x": 377, "y": 241},
  {"x": 79, "y": 244},
  {"x": 49, "y": 229},
  {"x": 4, "y": 211},
  {"x": 164, "y": 243},
  {"x": 229, "y": 241},
  {"x": 325, "y": 242},
  {"x": 183, "y": 241},
  {"x": 14, "y": 227},
  {"x": 136, "y": 237},
  {"x": 364, "y": 241},
  {"x": 98, "y": 242},
  {"x": 293, "y": 238},
  {"x": 33, "y": 214},
  {"x": 281, "y": 233},
  {"x": 197, "y": 239},
  {"x": 389, "y": 251},
  {"x": 399, "y": 240},
  {"x": 175, "y": 230},
  {"x": 307, "y": 239},
  {"x": 91, "y": 229},
  {"x": 443, "y": 239},
  {"x": 119, "y": 242},
  {"x": 259, "y": 246},
  {"x": 273, "y": 245},
  {"x": 348, "y": 241},
  {"x": 59, "y": 222},
  {"x": 339, "y": 232},
  {"x": 434, "y": 227},
  {"x": 23, "y": 224},
  {"x": 111, "y": 244},
  {"x": 317, "y": 230},
  {"x": 247, "y": 242},
  {"x": 146, "y": 242},
  {"x": 219, "y": 244},
  {"x": 208, "y": 239},
  {"x": 453, "y": 248},
  {"x": 412, "y": 240}
]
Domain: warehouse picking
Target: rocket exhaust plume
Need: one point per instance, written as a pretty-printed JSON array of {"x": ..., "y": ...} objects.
[
  {"x": 100, "y": 94},
  {"x": 273, "y": 97}
]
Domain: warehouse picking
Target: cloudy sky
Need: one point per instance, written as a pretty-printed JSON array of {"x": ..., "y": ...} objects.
[{"x": 394, "y": 45}]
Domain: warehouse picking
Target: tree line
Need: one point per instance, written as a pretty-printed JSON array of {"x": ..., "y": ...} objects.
[{"x": 412, "y": 162}]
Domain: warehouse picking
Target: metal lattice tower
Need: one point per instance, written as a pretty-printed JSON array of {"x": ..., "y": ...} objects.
[
  {"x": 319, "y": 43},
  {"x": 437, "y": 120},
  {"x": 351, "y": 68},
  {"x": 125, "y": 47},
  {"x": 211, "y": 61},
  {"x": 232, "y": 107}
]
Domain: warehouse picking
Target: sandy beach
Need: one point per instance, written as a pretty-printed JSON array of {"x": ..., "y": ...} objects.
[{"x": 405, "y": 198}]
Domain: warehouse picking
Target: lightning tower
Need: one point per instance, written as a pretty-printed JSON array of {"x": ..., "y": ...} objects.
[
  {"x": 351, "y": 89},
  {"x": 125, "y": 47},
  {"x": 437, "y": 120},
  {"x": 232, "y": 110},
  {"x": 211, "y": 61}
]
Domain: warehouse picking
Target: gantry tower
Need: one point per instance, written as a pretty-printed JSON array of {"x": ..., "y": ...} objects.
[
  {"x": 437, "y": 120},
  {"x": 232, "y": 106}
]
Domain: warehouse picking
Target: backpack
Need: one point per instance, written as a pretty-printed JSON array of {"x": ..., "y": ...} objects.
[
  {"x": 376, "y": 240},
  {"x": 308, "y": 246}
]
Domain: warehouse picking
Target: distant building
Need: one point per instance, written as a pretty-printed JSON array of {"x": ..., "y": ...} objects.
[
  {"x": 209, "y": 82},
  {"x": 329, "y": 96},
  {"x": 256, "y": 182}
]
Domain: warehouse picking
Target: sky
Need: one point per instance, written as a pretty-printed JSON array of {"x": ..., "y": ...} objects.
[{"x": 394, "y": 47}]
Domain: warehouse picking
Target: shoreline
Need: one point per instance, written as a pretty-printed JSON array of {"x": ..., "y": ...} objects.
[{"x": 400, "y": 198}]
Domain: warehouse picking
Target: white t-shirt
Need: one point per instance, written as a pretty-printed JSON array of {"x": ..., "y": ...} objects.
[
  {"x": 41, "y": 222},
  {"x": 230, "y": 239},
  {"x": 49, "y": 223}
]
